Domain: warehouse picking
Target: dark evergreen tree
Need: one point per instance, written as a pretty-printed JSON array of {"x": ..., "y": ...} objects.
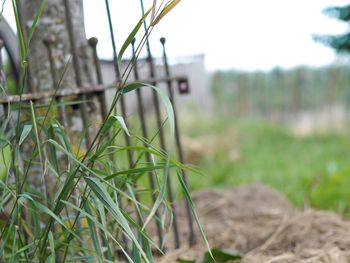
[{"x": 341, "y": 43}]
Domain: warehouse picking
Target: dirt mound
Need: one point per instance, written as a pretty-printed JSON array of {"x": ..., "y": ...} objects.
[{"x": 260, "y": 223}]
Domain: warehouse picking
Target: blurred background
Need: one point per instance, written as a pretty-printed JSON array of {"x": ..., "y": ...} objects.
[{"x": 268, "y": 102}]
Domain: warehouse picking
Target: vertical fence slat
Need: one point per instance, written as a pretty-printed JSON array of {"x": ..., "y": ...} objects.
[
  {"x": 192, "y": 237},
  {"x": 77, "y": 69}
]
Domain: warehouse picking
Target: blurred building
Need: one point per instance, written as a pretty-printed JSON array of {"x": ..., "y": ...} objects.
[{"x": 192, "y": 67}]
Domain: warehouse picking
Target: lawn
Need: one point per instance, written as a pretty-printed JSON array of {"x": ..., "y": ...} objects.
[{"x": 311, "y": 170}]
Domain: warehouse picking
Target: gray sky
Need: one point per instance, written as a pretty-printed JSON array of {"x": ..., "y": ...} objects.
[{"x": 245, "y": 34}]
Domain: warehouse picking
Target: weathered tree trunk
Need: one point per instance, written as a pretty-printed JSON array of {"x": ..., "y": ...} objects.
[
  {"x": 54, "y": 32},
  {"x": 53, "y": 25}
]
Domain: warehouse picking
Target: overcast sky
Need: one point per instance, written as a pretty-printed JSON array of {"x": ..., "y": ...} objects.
[{"x": 245, "y": 34}]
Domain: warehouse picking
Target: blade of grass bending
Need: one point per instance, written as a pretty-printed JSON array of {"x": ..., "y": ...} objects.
[
  {"x": 53, "y": 158},
  {"x": 221, "y": 256},
  {"x": 72, "y": 157},
  {"x": 94, "y": 236},
  {"x": 6, "y": 239},
  {"x": 141, "y": 149},
  {"x": 122, "y": 123},
  {"x": 70, "y": 178},
  {"x": 22, "y": 45},
  {"x": 190, "y": 202},
  {"x": 145, "y": 242},
  {"x": 135, "y": 171},
  {"x": 123, "y": 193},
  {"x": 5, "y": 161},
  {"x": 25, "y": 132},
  {"x": 132, "y": 35},
  {"x": 99, "y": 225},
  {"x": 14, "y": 244},
  {"x": 101, "y": 193},
  {"x": 47, "y": 211},
  {"x": 36, "y": 135},
  {"x": 61, "y": 135},
  {"x": 102, "y": 218},
  {"x": 136, "y": 257},
  {"x": 52, "y": 248},
  {"x": 27, "y": 247},
  {"x": 6, "y": 195},
  {"x": 165, "y": 11},
  {"x": 131, "y": 87},
  {"x": 154, "y": 5},
  {"x": 35, "y": 21},
  {"x": 111, "y": 121},
  {"x": 171, "y": 119},
  {"x": 138, "y": 228}
]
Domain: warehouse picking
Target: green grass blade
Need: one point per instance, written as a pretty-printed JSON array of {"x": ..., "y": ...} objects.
[
  {"x": 136, "y": 171},
  {"x": 52, "y": 248},
  {"x": 122, "y": 123},
  {"x": 47, "y": 211},
  {"x": 52, "y": 154},
  {"x": 99, "y": 225},
  {"x": 102, "y": 218},
  {"x": 94, "y": 236},
  {"x": 36, "y": 135},
  {"x": 145, "y": 242},
  {"x": 101, "y": 193},
  {"x": 5, "y": 161},
  {"x": 61, "y": 135},
  {"x": 190, "y": 202},
  {"x": 14, "y": 245},
  {"x": 131, "y": 87},
  {"x": 25, "y": 132},
  {"x": 72, "y": 157},
  {"x": 132, "y": 35},
  {"x": 180, "y": 260},
  {"x": 220, "y": 256},
  {"x": 35, "y": 21},
  {"x": 27, "y": 247},
  {"x": 136, "y": 257},
  {"x": 142, "y": 149},
  {"x": 171, "y": 118},
  {"x": 22, "y": 45},
  {"x": 108, "y": 124},
  {"x": 165, "y": 11}
]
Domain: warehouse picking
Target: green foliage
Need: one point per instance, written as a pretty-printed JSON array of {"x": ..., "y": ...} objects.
[
  {"x": 215, "y": 255},
  {"x": 311, "y": 169},
  {"x": 5, "y": 160},
  {"x": 340, "y": 43},
  {"x": 341, "y": 13},
  {"x": 132, "y": 35},
  {"x": 330, "y": 189},
  {"x": 63, "y": 202}
]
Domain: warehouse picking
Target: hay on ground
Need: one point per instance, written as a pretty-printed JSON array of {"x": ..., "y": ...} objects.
[{"x": 260, "y": 223}]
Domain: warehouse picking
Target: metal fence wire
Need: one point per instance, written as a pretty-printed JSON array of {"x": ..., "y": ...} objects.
[{"x": 86, "y": 95}]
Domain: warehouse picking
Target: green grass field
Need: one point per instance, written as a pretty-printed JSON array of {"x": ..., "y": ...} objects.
[{"x": 313, "y": 169}]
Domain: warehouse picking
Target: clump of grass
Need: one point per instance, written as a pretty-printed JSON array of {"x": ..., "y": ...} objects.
[{"x": 84, "y": 207}]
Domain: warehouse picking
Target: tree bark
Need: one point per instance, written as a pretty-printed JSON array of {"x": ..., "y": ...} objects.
[
  {"x": 53, "y": 25},
  {"x": 46, "y": 67}
]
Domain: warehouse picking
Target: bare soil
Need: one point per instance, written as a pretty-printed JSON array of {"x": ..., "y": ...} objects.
[{"x": 261, "y": 224}]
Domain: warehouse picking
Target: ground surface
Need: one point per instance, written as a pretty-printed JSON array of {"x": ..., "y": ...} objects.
[{"x": 260, "y": 223}]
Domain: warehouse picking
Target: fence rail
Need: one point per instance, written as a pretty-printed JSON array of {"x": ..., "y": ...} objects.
[{"x": 66, "y": 92}]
